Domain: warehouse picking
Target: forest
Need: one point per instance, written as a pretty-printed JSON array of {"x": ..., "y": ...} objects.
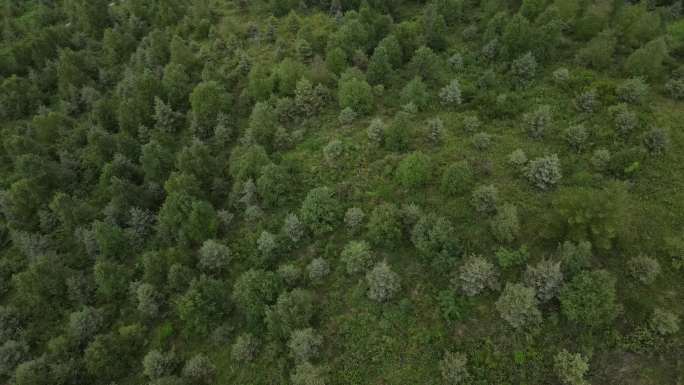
[{"x": 342, "y": 192}]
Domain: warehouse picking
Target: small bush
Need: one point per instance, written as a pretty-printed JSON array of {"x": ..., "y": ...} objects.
[
  {"x": 482, "y": 141},
  {"x": 476, "y": 275},
  {"x": 245, "y": 348},
  {"x": 517, "y": 159},
  {"x": 545, "y": 172},
  {"x": 664, "y": 322},
  {"x": 524, "y": 69},
  {"x": 577, "y": 137},
  {"x": 357, "y": 257},
  {"x": 415, "y": 92},
  {"x": 509, "y": 258},
  {"x": 376, "y": 131},
  {"x": 353, "y": 219},
  {"x": 450, "y": 95},
  {"x": 453, "y": 367},
  {"x": 457, "y": 179},
  {"x": 383, "y": 283},
  {"x": 505, "y": 224},
  {"x": 414, "y": 170},
  {"x": 643, "y": 268},
  {"x": 304, "y": 344},
  {"x": 657, "y": 140},
  {"x": 624, "y": 120},
  {"x": 538, "y": 121},
  {"x": 570, "y": 367},
  {"x": 517, "y": 305},
  {"x": 546, "y": 278},
  {"x": 318, "y": 269},
  {"x": 485, "y": 199},
  {"x": 587, "y": 101},
  {"x": 633, "y": 90}
]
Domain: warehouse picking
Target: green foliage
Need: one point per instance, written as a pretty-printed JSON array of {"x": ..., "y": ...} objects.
[
  {"x": 357, "y": 257},
  {"x": 586, "y": 214},
  {"x": 415, "y": 92},
  {"x": 319, "y": 211},
  {"x": 293, "y": 310},
  {"x": 589, "y": 299},
  {"x": 570, "y": 367},
  {"x": 203, "y": 305},
  {"x": 383, "y": 283},
  {"x": 457, "y": 179},
  {"x": 517, "y": 305},
  {"x": 648, "y": 60},
  {"x": 545, "y": 172},
  {"x": 475, "y": 275},
  {"x": 207, "y": 100},
  {"x": 505, "y": 225},
  {"x": 253, "y": 291},
  {"x": 304, "y": 344},
  {"x": 356, "y": 94},
  {"x": 414, "y": 170},
  {"x": 453, "y": 367},
  {"x": 384, "y": 226}
]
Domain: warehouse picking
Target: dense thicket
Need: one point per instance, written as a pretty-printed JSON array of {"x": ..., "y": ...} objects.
[{"x": 341, "y": 192}]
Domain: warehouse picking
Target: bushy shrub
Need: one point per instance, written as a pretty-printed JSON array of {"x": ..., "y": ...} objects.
[
  {"x": 455, "y": 62},
  {"x": 675, "y": 88},
  {"x": 471, "y": 123},
  {"x": 415, "y": 92},
  {"x": 576, "y": 136},
  {"x": 333, "y": 152},
  {"x": 357, "y": 256},
  {"x": 600, "y": 159},
  {"x": 589, "y": 298},
  {"x": 266, "y": 244},
  {"x": 12, "y": 353},
  {"x": 85, "y": 323},
  {"x": 482, "y": 141},
  {"x": 450, "y": 95},
  {"x": 319, "y": 210},
  {"x": 318, "y": 269},
  {"x": 453, "y": 367},
  {"x": 508, "y": 258},
  {"x": 546, "y": 278},
  {"x": 414, "y": 170},
  {"x": 538, "y": 121},
  {"x": 304, "y": 344},
  {"x": 306, "y": 373},
  {"x": 664, "y": 322},
  {"x": 157, "y": 364},
  {"x": 293, "y": 310},
  {"x": 457, "y": 179},
  {"x": 545, "y": 172},
  {"x": 561, "y": 76},
  {"x": 244, "y": 348},
  {"x": 347, "y": 116},
  {"x": 435, "y": 128},
  {"x": 657, "y": 140},
  {"x": 293, "y": 228},
  {"x": 376, "y": 131},
  {"x": 505, "y": 224},
  {"x": 517, "y": 305},
  {"x": 485, "y": 199},
  {"x": 354, "y": 218},
  {"x": 524, "y": 69},
  {"x": 384, "y": 226},
  {"x": 575, "y": 256},
  {"x": 570, "y": 367},
  {"x": 624, "y": 120},
  {"x": 587, "y": 101},
  {"x": 517, "y": 159},
  {"x": 645, "y": 269},
  {"x": 433, "y": 236},
  {"x": 632, "y": 90},
  {"x": 214, "y": 257},
  {"x": 476, "y": 275},
  {"x": 599, "y": 51},
  {"x": 382, "y": 282},
  {"x": 199, "y": 369},
  {"x": 356, "y": 94},
  {"x": 148, "y": 298}
]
